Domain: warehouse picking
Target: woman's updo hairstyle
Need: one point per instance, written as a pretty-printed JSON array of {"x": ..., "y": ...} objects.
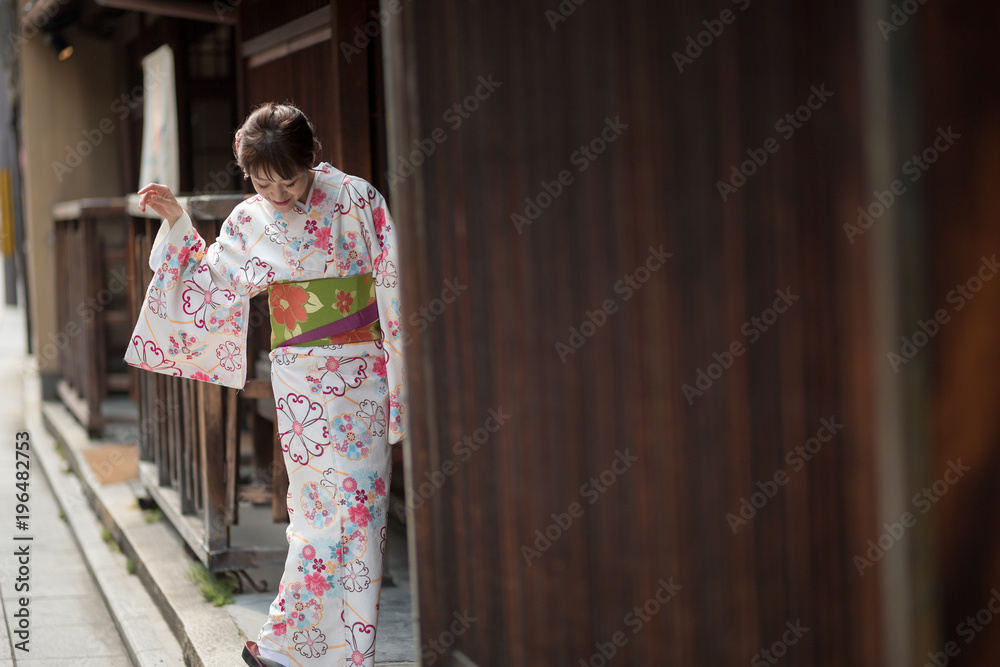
[{"x": 276, "y": 139}]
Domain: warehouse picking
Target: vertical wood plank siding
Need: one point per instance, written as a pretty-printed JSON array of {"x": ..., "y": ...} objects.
[
  {"x": 664, "y": 517},
  {"x": 962, "y": 228}
]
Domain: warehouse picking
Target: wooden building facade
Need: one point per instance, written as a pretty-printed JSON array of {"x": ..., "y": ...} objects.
[{"x": 693, "y": 237}]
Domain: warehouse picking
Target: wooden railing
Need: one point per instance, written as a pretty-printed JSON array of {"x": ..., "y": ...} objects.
[
  {"x": 190, "y": 432},
  {"x": 92, "y": 316}
]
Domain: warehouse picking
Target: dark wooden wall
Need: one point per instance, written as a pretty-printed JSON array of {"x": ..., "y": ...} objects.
[
  {"x": 342, "y": 95},
  {"x": 495, "y": 347},
  {"x": 963, "y": 226}
]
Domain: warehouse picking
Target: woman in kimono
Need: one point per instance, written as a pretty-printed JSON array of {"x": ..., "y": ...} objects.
[{"x": 322, "y": 244}]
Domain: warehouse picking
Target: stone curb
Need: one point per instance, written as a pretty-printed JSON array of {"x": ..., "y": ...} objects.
[
  {"x": 207, "y": 635},
  {"x": 137, "y": 620}
]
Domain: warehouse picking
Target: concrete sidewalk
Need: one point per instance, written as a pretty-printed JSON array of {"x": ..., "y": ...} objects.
[{"x": 68, "y": 620}]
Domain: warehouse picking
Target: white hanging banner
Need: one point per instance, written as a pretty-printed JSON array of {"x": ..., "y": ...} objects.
[{"x": 160, "y": 161}]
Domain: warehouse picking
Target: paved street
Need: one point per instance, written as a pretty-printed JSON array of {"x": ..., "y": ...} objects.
[{"x": 68, "y": 622}]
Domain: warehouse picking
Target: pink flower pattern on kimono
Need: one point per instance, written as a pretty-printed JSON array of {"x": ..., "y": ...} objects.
[
  {"x": 381, "y": 229},
  {"x": 174, "y": 260},
  {"x": 359, "y": 494},
  {"x": 284, "y": 357},
  {"x": 232, "y": 229},
  {"x": 362, "y": 644},
  {"x": 316, "y": 583},
  {"x": 152, "y": 357},
  {"x": 226, "y": 319},
  {"x": 380, "y": 368},
  {"x": 320, "y": 565},
  {"x": 166, "y": 277},
  {"x": 396, "y": 411},
  {"x": 178, "y": 259},
  {"x": 303, "y": 609},
  {"x": 228, "y": 355},
  {"x": 351, "y": 255},
  {"x": 310, "y": 643},
  {"x": 322, "y": 241},
  {"x": 182, "y": 342},
  {"x": 202, "y": 298},
  {"x": 353, "y": 544},
  {"x": 302, "y": 429},
  {"x": 392, "y": 316},
  {"x": 385, "y": 273},
  {"x": 157, "y": 302},
  {"x": 356, "y": 577},
  {"x": 360, "y": 514},
  {"x": 336, "y": 375},
  {"x": 318, "y": 506},
  {"x": 275, "y": 232},
  {"x": 255, "y": 275},
  {"x": 373, "y": 414},
  {"x": 351, "y": 437}
]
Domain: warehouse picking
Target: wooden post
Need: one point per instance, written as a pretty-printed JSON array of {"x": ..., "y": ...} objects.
[{"x": 212, "y": 447}]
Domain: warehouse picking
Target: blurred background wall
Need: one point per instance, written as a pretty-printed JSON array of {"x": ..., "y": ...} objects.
[
  {"x": 649, "y": 214},
  {"x": 62, "y": 106}
]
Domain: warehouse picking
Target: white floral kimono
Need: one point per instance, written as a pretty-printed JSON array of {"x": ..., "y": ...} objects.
[{"x": 340, "y": 400}]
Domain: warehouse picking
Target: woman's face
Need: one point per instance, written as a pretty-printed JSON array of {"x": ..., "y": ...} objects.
[{"x": 282, "y": 193}]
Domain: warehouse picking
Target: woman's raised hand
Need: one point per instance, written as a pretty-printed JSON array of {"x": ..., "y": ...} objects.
[{"x": 160, "y": 199}]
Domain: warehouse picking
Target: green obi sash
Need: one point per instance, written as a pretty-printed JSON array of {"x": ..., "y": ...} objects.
[{"x": 298, "y": 308}]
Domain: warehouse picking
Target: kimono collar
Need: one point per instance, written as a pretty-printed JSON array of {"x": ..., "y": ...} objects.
[{"x": 319, "y": 170}]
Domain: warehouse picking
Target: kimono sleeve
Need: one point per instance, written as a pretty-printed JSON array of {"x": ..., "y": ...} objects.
[
  {"x": 379, "y": 232},
  {"x": 192, "y": 322}
]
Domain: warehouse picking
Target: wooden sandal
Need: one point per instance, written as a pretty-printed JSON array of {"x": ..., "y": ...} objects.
[{"x": 251, "y": 655}]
